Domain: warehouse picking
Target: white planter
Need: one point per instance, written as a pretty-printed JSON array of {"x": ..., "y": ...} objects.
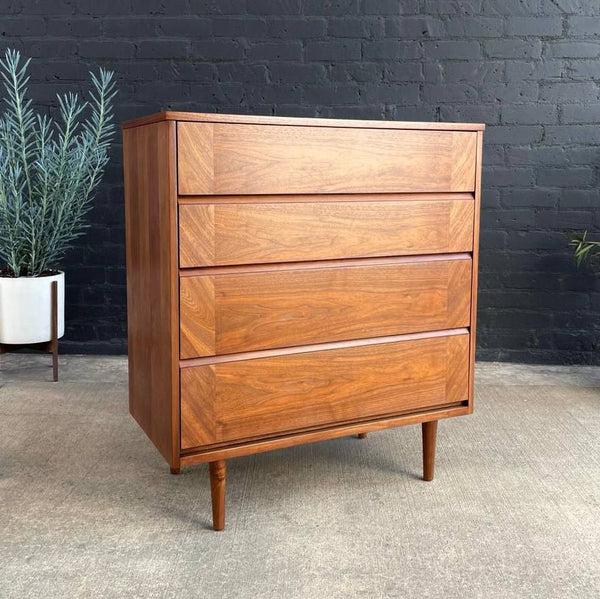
[{"x": 26, "y": 308}]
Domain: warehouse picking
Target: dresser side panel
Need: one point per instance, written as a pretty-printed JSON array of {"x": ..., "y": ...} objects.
[{"x": 152, "y": 306}]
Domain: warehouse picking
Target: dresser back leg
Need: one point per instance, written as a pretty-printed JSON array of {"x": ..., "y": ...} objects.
[
  {"x": 218, "y": 472},
  {"x": 362, "y": 435},
  {"x": 429, "y": 438}
]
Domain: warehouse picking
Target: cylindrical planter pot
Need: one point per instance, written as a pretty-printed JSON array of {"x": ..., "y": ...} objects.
[{"x": 26, "y": 309}]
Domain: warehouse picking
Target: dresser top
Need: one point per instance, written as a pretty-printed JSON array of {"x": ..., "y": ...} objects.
[{"x": 205, "y": 117}]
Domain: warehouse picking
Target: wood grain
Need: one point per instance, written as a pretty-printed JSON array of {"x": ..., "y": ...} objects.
[
  {"x": 475, "y": 276},
  {"x": 170, "y": 115},
  {"x": 429, "y": 434},
  {"x": 152, "y": 283},
  {"x": 222, "y": 234},
  {"x": 233, "y": 313},
  {"x": 266, "y": 159},
  {"x": 238, "y": 400},
  {"x": 199, "y": 456}
]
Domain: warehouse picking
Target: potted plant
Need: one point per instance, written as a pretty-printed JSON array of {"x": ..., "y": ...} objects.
[{"x": 49, "y": 170}]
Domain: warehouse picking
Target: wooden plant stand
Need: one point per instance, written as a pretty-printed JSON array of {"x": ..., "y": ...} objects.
[{"x": 46, "y": 346}]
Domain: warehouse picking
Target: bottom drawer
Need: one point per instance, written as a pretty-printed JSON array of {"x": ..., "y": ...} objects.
[{"x": 236, "y": 400}]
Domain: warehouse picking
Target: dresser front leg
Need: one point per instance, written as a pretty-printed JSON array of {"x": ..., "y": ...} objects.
[
  {"x": 429, "y": 437},
  {"x": 362, "y": 435},
  {"x": 175, "y": 470},
  {"x": 218, "y": 471}
]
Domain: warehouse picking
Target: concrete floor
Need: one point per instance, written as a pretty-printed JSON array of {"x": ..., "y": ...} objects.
[{"x": 88, "y": 508}]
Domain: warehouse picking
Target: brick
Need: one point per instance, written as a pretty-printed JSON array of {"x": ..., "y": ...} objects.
[
  {"x": 333, "y": 50},
  {"x": 390, "y": 7},
  {"x": 514, "y": 92},
  {"x": 390, "y": 94},
  {"x": 508, "y": 177},
  {"x": 517, "y": 70},
  {"x": 534, "y": 26},
  {"x": 298, "y": 73},
  {"x": 391, "y": 50},
  {"x": 478, "y": 26},
  {"x": 583, "y": 26},
  {"x": 583, "y": 69},
  {"x": 513, "y": 48},
  {"x": 582, "y": 49},
  {"x": 106, "y": 49},
  {"x": 362, "y": 72},
  {"x": 530, "y": 114},
  {"x": 451, "y": 7},
  {"x": 356, "y": 27},
  {"x": 403, "y": 71},
  {"x": 537, "y": 155},
  {"x": 575, "y": 7},
  {"x": 217, "y": 7},
  {"x": 217, "y": 49},
  {"x": 581, "y": 113},
  {"x": 452, "y": 92},
  {"x": 514, "y": 134},
  {"x": 535, "y": 198},
  {"x": 445, "y": 50},
  {"x": 253, "y": 27},
  {"x": 565, "y": 177},
  {"x": 328, "y": 94},
  {"x": 580, "y": 198},
  {"x": 297, "y": 28},
  {"x": 471, "y": 113},
  {"x": 569, "y": 92},
  {"x": 186, "y": 27},
  {"x": 284, "y": 50},
  {"x": 274, "y": 7},
  {"x": 331, "y": 7},
  {"x": 162, "y": 49},
  {"x": 414, "y": 27}
]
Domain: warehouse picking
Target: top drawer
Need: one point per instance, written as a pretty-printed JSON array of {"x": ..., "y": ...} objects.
[{"x": 215, "y": 158}]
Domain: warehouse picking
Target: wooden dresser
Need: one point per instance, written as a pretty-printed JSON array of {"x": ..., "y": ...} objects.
[{"x": 294, "y": 280}]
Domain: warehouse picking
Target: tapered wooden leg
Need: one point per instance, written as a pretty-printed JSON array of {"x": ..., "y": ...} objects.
[
  {"x": 54, "y": 330},
  {"x": 362, "y": 435},
  {"x": 429, "y": 437},
  {"x": 218, "y": 471},
  {"x": 174, "y": 470}
]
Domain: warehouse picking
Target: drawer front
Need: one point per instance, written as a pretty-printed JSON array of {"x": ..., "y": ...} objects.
[
  {"x": 231, "y": 313},
  {"x": 269, "y": 159},
  {"x": 243, "y": 233},
  {"x": 232, "y": 401}
]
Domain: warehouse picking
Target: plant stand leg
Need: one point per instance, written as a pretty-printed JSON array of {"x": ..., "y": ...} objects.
[
  {"x": 429, "y": 437},
  {"x": 54, "y": 330},
  {"x": 362, "y": 435},
  {"x": 218, "y": 471}
]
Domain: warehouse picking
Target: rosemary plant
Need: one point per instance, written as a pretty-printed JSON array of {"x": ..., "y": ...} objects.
[{"x": 49, "y": 169}]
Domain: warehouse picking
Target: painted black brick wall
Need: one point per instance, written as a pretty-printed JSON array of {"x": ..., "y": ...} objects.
[{"x": 529, "y": 69}]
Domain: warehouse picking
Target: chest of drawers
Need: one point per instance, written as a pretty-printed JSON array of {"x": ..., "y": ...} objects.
[{"x": 294, "y": 280}]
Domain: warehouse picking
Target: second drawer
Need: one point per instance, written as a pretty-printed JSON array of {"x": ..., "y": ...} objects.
[{"x": 263, "y": 309}]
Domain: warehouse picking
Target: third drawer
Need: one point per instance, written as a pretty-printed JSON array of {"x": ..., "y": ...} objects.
[{"x": 253, "y": 309}]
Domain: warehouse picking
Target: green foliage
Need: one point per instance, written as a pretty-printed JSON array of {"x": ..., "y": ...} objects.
[
  {"x": 48, "y": 169},
  {"x": 584, "y": 248}
]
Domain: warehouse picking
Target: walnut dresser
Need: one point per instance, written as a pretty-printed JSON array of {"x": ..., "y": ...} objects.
[{"x": 293, "y": 280}]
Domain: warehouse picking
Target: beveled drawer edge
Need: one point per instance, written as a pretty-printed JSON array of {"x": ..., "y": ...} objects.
[
  {"x": 318, "y": 264},
  {"x": 331, "y": 198},
  {"x": 197, "y": 455},
  {"x": 316, "y": 347}
]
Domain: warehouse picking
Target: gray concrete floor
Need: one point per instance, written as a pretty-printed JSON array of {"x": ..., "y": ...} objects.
[{"x": 88, "y": 508}]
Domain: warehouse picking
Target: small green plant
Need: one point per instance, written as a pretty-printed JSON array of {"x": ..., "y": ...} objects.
[
  {"x": 48, "y": 169},
  {"x": 584, "y": 248}
]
